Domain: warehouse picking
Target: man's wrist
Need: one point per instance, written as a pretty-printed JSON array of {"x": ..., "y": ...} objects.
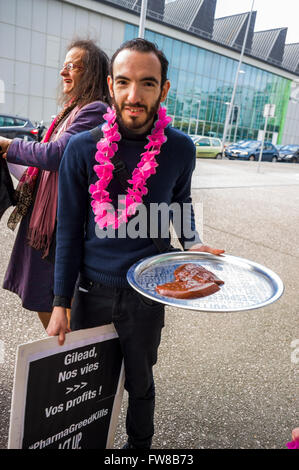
[{"x": 60, "y": 301}]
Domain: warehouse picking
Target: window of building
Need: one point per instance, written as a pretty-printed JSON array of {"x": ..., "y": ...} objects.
[
  {"x": 182, "y": 81},
  {"x": 176, "y": 54},
  {"x": 167, "y": 48},
  {"x": 185, "y": 52},
  {"x": 200, "y": 70},
  {"x": 193, "y": 58}
]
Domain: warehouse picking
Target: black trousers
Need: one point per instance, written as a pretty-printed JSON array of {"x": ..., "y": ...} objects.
[{"x": 138, "y": 322}]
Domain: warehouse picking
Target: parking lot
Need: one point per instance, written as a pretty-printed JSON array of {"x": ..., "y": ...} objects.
[{"x": 223, "y": 380}]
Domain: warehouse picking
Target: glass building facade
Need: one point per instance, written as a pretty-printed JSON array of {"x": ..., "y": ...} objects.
[{"x": 201, "y": 87}]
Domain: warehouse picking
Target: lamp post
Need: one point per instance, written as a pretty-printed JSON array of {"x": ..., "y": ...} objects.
[
  {"x": 229, "y": 110},
  {"x": 227, "y": 103},
  {"x": 198, "y": 109},
  {"x": 142, "y": 19},
  {"x": 237, "y": 122},
  {"x": 269, "y": 111}
]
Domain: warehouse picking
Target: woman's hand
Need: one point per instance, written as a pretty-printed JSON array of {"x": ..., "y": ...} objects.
[
  {"x": 4, "y": 144},
  {"x": 58, "y": 324}
]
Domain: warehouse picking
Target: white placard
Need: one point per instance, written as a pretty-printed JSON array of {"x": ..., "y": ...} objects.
[{"x": 67, "y": 397}]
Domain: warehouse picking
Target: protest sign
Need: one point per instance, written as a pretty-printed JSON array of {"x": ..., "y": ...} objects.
[{"x": 67, "y": 397}]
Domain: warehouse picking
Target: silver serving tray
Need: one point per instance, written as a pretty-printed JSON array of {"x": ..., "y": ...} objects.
[{"x": 248, "y": 285}]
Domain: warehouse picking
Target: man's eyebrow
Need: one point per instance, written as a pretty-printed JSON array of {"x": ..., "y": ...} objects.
[
  {"x": 150, "y": 79},
  {"x": 144, "y": 79},
  {"x": 121, "y": 77}
]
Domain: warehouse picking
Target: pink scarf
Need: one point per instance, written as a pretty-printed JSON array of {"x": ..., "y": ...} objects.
[
  {"x": 38, "y": 237},
  {"x": 32, "y": 170},
  {"x": 43, "y": 217}
]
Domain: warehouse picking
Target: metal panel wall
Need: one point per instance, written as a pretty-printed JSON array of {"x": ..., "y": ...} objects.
[{"x": 34, "y": 35}]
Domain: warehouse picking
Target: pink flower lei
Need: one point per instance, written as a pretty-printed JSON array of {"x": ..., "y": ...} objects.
[{"x": 107, "y": 146}]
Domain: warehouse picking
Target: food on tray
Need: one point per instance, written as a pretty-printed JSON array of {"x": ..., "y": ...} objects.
[
  {"x": 187, "y": 289},
  {"x": 191, "y": 281},
  {"x": 194, "y": 271}
]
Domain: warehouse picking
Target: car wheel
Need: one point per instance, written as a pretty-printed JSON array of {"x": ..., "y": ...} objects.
[
  {"x": 274, "y": 159},
  {"x": 294, "y": 160},
  {"x": 251, "y": 158},
  {"x": 219, "y": 156}
]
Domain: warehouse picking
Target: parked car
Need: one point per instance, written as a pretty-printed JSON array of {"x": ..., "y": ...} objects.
[
  {"x": 289, "y": 153},
  {"x": 250, "y": 150},
  {"x": 236, "y": 144},
  {"x": 208, "y": 147},
  {"x": 16, "y": 126}
]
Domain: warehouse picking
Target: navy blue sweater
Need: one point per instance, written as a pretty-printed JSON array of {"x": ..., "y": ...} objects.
[{"x": 107, "y": 260}]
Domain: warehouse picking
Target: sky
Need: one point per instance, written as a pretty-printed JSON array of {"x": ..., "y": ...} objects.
[{"x": 270, "y": 14}]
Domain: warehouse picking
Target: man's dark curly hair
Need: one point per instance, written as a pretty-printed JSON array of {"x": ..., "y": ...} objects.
[{"x": 142, "y": 45}]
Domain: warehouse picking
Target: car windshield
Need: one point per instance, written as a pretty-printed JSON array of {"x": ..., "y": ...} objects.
[
  {"x": 249, "y": 144},
  {"x": 292, "y": 148},
  {"x": 237, "y": 144}
]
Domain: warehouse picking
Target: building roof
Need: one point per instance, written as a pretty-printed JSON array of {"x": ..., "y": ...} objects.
[
  {"x": 291, "y": 57},
  {"x": 182, "y": 12},
  {"x": 155, "y": 8},
  {"x": 269, "y": 45},
  {"x": 230, "y": 30},
  {"x": 196, "y": 16}
]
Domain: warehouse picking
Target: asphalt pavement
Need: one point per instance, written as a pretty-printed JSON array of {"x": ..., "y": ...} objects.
[{"x": 223, "y": 380}]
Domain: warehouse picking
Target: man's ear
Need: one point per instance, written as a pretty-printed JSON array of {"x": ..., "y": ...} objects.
[
  {"x": 110, "y": 85},
  {"x": 165, "y": 90}
]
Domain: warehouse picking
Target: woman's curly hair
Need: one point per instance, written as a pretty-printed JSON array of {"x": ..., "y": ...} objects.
[{"x": 93, "y": 83}]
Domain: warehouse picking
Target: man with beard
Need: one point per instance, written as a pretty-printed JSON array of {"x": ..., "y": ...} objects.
[{"x": 160, "y": 161}]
